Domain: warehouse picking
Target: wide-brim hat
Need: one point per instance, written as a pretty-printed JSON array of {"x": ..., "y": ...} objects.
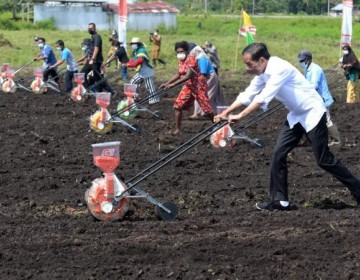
[{"x": 135, "y": 40}]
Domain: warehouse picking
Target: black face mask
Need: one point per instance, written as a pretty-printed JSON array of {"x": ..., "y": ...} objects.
[{"x": 91, "y": 32}]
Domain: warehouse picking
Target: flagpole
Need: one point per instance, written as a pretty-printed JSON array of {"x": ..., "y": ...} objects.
[
  {"x": 122, "y": 21},
  {"x": 342, "y": 22},
  {"x": 346, "y": 23},
  {"x": 238, "y": 40}
]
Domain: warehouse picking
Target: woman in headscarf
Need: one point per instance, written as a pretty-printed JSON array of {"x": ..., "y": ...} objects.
[
  {"x": 195, "y": 86},
  {"x": 214, "y": 90},
  {"x": 351, "y": 66},
  {"x": 144, "y": 71}
]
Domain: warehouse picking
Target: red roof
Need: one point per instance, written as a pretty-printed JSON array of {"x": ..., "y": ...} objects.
[{"x": 143, "y": 8}]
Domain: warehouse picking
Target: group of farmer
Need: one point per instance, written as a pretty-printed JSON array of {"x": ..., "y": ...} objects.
[
  {"x": 198, "y": 70},
  {"x": 305, "y": 95}
]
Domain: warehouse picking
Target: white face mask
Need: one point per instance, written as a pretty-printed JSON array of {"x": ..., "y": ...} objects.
[
  {"x": 346, "y": 52},
  {"x": 41, "y": 45},
  {"x": 155, "y": 33},
  {"x": 134, "y": 46},
  {"x": 181, "y": 56},
  {"x": 84, "y": 49}
]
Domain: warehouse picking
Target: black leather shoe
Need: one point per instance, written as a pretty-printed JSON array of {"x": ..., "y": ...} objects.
[{"x": 273, "y": 205}]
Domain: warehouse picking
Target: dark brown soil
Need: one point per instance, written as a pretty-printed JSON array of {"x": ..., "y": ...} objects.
[{"x": 46, "y": 167}]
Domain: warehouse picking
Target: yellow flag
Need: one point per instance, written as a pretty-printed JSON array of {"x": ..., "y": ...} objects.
[{"x": 247, "y": 20}]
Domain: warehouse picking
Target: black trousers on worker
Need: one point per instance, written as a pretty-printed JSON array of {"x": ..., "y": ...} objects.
[
  {"x": 50, "y": 72},
  {"x": 318, "y": 136},
  {"x": 96, "y": 68},
  {"x": 69, "y": 77}
]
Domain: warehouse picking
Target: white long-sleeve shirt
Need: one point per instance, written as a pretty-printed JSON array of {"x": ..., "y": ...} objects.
[{"x": 285, "y": 83}]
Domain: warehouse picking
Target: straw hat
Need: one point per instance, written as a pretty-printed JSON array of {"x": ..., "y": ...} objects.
[{"x": 135, "y": 40}]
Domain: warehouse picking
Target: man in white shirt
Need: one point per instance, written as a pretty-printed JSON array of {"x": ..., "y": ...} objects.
[{"x": 277, "y": 78}]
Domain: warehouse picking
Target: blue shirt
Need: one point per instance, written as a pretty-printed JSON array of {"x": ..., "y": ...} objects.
[
  {"x": 316, "y": 76},
  {"x": 67, "y": 56},
  {"x": 205, "y": 66},
  {"x": 49, "y": 55}
]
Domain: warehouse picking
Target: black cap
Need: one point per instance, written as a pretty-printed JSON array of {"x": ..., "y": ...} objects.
[
  {"x": 86, "y": 41},
  {"x": 304, "y": 55},
  {"x": 59, "y": 43}
]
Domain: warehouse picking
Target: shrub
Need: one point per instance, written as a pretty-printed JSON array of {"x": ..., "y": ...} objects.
[
  {"x": 7, "y": 24},
  {"x": 46, "y": 24}
]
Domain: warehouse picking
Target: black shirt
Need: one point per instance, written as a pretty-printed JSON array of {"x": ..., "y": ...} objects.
[
  {"x": 96, "y": 41},
  {"x": 121, "y": 55}
]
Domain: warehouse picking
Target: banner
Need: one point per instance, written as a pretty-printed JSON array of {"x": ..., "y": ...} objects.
[
  {"x": 122, "y": 21},
  {"x": 346, "y": 27},
  {"x": 248, "y": 29}
]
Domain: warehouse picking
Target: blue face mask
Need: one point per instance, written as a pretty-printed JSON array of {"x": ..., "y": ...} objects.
[{"x": 303, "y": 65}]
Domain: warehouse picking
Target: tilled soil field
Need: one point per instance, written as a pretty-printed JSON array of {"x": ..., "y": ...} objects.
[{"x": 47, "y": 232}]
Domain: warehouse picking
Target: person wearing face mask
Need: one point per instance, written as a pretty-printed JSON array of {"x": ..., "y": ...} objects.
[
  {"x": 276, "y": 78},
  {"x": 144, "y": 71},
  {"x": 351, "y": 66},
  {"x": 155, "y": 39},
  {"x": 211, "y": 52},
  {"x": 121, "y": 56},
  {"x": 48, "y": 56},
  {"x": 72, "y": 66},
  {"x": 85, "y": 49},
  {"x": 194, "y": 88},
  {"x": 214, "y": 92},
  {"x": 94, "y": 59},
  {"x": 316, "y": 76}
]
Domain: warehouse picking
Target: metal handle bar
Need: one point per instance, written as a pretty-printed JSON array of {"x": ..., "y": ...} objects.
[
  {"x": 258, "y": 118},
  {"x": 134, "y": 181},
  {"x": 23, "y": 66},
  {"x": 330, "y": 78},
  {"x": 133, "y": 106},
  {"x": 58, "y": 73}
]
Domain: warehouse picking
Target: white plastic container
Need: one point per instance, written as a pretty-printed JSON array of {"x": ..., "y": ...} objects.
[
  {"x": 130, "y": 90},
  {"x": 106, "y": 155}
]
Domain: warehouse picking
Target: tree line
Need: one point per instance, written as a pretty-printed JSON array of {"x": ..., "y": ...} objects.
[{"x": 310, "y": 7}]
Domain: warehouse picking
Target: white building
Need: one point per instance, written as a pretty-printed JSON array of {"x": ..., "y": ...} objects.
[{"x": 76, "y": 14}]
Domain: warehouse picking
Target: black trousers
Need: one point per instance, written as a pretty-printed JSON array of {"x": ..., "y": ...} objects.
[
  {"x": 96, "y": 68},
  {"x": 318, "y": 136},
  {"x": 50, "y": 72},
  {"x": 69, "y": 76}
]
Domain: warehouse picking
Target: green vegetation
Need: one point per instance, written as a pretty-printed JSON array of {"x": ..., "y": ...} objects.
[
  {"x": 285, "y": 37},
  {"x": 313, "y": 7}
]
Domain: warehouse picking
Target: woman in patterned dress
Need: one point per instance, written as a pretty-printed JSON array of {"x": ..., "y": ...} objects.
[{"x": 194, "y": 88}]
